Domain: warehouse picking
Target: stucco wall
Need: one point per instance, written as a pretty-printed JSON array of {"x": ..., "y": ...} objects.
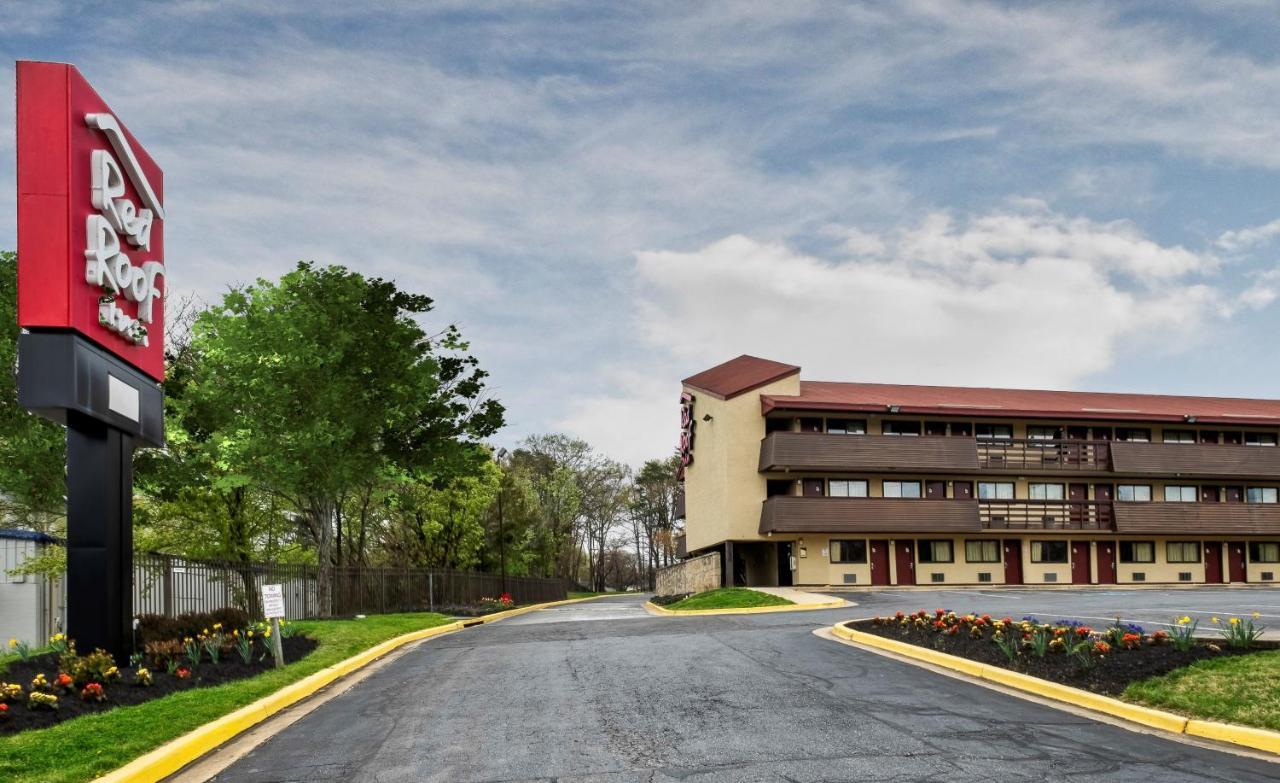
[{"x": 690, "y": 576}]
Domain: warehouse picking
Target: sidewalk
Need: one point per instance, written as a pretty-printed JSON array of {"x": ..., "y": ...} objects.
[{"x": 795, "y": 596}]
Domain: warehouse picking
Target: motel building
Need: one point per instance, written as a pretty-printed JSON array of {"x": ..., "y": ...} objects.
[{"x": 798, "y": 482}]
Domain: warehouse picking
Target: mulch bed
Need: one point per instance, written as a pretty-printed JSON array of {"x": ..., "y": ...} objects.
[
  {"x": 124, "y": 692},
  {"x": 667, "y": 600},
  {"x": 1109, "y": 675}
]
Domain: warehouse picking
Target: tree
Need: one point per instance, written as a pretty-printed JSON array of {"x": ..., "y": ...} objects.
[
  {"x": 653, "y": 501},
  {"x": 317, "y": 385},
  {"x": 32, "y": 449}
]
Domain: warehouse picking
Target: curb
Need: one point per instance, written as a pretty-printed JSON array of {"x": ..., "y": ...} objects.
[
  {"x": 653, "y": 608},
  {"x": 177, "y": 753},
  {"x": 1245, "y": 736}
]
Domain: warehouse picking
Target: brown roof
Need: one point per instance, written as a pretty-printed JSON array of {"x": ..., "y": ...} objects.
[
  {"x": 740, "y": 375},
  {"x": 1028, "y": 403}
]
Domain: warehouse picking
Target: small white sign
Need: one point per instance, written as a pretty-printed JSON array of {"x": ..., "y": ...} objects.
[
  {"x": 272, "y": 601},
  {"x": 122, "y": 398}
]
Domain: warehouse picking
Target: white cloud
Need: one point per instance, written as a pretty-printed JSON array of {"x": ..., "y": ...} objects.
[
  {"x": 1249, "y": 238},
  {"x": 1019, "y": 298}
]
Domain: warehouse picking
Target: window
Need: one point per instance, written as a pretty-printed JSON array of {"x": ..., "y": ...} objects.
[
  {"x": 982, "y": 551},
  {"x": 846, "y": 427},
  {"x": 891, "y": 427},
  {"x": 840, "y": 488},
  {"x": 1137, "y": 551},
  {"x": 1179, "y": 436},
  {"x": 1182, "y": 551},
  {"x": 777, "y": 425},
  {"x": 1134, "y": 492},
  {"x": 995, "y": 490},
  {"x": 1259, "y": 439},
  {"x": 854, "y": 551},
  {"x": 901, "y": 489},
  {"x": 1260, "y": 494},
  {"x": 1049, "y": 552},
  {"x": 1174, "y": 493},
  {"x": 1264, "y": 552},
  {"x": 1134, "y": 434},
  {"x": 1044, "y": 433},
  {"x": 994, "y": 431},
  {"x": 934, "y": 551},
  {"x": 1045, "y": 491}
]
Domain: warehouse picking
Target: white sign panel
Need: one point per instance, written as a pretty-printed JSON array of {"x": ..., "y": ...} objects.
[{"x": 272, "y": 601}]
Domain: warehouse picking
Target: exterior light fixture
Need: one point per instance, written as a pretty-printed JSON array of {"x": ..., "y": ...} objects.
[
  {"x": 894, "y": 408},
  {"x": 1189, "y": 419},
  {"x": 706, "y": 417}
]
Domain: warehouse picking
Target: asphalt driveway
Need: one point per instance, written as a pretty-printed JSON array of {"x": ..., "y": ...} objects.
[{"x": 603, "y": 692}]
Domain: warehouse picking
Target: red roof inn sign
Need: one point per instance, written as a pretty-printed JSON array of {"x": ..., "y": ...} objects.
[
  {"x": 91, "y": 280},
  {"x": 90, "y": 219}
]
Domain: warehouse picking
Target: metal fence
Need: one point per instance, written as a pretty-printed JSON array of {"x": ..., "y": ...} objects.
[{"x": 170, "y": 585}]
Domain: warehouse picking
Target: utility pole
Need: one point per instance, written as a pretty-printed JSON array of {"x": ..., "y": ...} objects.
[{"x": 502, "y": 533}]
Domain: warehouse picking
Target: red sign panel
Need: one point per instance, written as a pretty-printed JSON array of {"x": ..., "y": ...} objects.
[{"x": 90, "y": 220}]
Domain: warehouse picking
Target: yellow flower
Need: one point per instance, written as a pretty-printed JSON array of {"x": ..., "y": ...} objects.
[
  {"x": 217, "y": 626},
  {"x": 1235, "y": 620},
  {"x": 1256, "y": 615},
  {"x": 1184, "y": 620},
  {"x": 13, "y": 642},
  {"x": 1216, "y": 621}
]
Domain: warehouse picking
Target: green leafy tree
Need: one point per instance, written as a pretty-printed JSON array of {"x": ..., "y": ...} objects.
[
  {"x": 32, "y": 449},
  {"x": 320, "y": 384}
]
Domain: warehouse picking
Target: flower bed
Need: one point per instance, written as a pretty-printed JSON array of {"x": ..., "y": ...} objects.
[
  {"x": 1100, "y": 660},
  {"x": 39, "y": 690}
]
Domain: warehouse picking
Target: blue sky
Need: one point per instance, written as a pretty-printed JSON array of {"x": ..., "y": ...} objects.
[{"x": 609, "y": 198}]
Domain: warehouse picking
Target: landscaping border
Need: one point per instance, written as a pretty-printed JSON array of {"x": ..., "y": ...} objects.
[
  {"x": 1245, "y": 736},
  {"x": 172, "y": 756},
  {"x": 653, "y": 608}
]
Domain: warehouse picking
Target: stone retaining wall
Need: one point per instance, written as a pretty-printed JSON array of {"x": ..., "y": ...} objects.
[{"x": 694, "y": 575}]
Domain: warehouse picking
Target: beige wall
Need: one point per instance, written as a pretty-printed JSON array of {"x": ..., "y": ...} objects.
[{"x": 723, "y": 487}]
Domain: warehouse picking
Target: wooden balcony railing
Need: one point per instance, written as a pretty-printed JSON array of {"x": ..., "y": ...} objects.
[
  {"x": 1045, "y": 515},
  {"x": 1069, "y": 455}
]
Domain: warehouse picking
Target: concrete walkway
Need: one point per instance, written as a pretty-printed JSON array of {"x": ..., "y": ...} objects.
[{"x": 798, "y": 596}]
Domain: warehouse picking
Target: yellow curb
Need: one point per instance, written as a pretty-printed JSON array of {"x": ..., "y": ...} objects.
[
  {"x": 1258, "y": 739},
  {"x": 178, "y": 753},
  {"x": 662, "y": 610}
]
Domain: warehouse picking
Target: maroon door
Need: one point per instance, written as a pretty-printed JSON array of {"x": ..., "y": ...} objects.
[
  {"x": 962, "y": 490},
  {"x": 1213, "y": 562},
  {"x": 813, "y": 488},
  {"x": 1106, "y": 562},
  {"x": 1210, "y": 495},
  {"x": 1077, "y": 433},
  {"x": 1102, "y": 491},
  {"x": 1013, "y": 561},
  {"x": 905, "y": 554},
  {"x": 1235, "y": 561},
  {"x": 1233, "y": 438},
  {"x": 879, "y": 562},
  {"x": 935, "y": 490},
  {"x": 1235, "y": 494},
  {"x": 1077, "y": 494},
  {"x": 1080, "y": 570}
]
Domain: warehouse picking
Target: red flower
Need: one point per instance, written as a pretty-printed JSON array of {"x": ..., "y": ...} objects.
[
  {"x": 899, "y": 615},
  {"x": 1101, "y": 648},
  {"x": 939, "y": 612},
  {"x": 93, "y": 692},
  {"x": 4, "y": 708},
  {"x": 182, "y": 673}
]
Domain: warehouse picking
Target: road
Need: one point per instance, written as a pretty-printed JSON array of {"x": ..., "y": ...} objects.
[{"x": 604, "y": 692}]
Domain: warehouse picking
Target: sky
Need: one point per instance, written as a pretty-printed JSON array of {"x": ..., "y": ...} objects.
[{"x": 607, "y": 198}]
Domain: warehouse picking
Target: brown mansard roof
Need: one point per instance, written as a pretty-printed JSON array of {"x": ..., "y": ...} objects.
[
  {"x": 739, "y": 376},
  {"x": 1031, "y": 403}
]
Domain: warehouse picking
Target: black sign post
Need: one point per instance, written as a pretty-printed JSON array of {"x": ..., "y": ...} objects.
[{"x": 108, "y": 408}]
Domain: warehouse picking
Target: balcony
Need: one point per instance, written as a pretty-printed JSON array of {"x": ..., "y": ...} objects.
[
  {"x": 1209, "y": 460},
  {"x": 1046, "y": 515},
  {"x": 1231, "y": 519},
  {"x": 1028, "y": 456},
  {"x": 816, "y": 451},
  {"x": 794, "y": 514}
]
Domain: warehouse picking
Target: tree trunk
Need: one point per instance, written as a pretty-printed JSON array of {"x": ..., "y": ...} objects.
[{"x": 320, "y": 517}]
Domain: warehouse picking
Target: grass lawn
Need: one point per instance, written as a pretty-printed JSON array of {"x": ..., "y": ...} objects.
[
  {"x": 729, "y": 598},
  {"x": 83, "y": 748},
  {"x": 1243, "y": 689}
]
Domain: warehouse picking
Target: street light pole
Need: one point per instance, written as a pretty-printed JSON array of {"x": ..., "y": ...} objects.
[{"x": 502, "y": 533}]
